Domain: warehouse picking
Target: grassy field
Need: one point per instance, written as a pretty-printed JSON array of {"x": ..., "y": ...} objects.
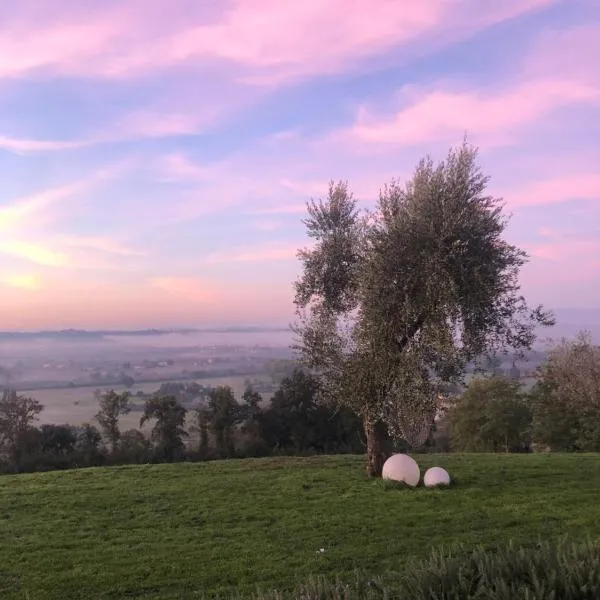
[{"x": 178, "y": 531}]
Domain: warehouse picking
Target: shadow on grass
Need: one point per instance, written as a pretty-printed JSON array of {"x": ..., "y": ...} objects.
[{"x": 388, "y": 485}]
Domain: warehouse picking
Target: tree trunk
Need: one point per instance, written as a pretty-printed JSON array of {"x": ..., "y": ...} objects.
[{"x": 376, "y": 447}]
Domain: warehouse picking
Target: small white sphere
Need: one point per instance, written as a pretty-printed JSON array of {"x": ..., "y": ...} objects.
[
  {"x": 436, "y": 476},
  {"x": 401, "y": 467}
]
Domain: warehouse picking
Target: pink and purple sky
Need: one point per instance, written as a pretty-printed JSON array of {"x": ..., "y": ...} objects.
[{"x": 156, "y": 156}]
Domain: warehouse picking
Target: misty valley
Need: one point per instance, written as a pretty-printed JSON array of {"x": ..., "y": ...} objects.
[{"x": 65, "y": 371}]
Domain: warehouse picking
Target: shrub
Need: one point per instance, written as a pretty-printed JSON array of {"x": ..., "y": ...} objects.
[{"x": 567, "y": 571}]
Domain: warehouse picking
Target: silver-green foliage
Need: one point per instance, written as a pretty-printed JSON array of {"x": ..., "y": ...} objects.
[{"x": 393, "y": 303}]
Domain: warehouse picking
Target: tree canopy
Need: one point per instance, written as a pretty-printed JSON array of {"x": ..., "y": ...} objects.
[
  {"x": 491, "y": 416},
  {"x": 566, "y": 397},
  {"x": 393, "y": 303}
]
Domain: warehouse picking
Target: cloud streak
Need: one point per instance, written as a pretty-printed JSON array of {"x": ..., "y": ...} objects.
[
  {"x": 582, "y": 186},
  {"x": 494, "y": 116},
  {"x": 256, "y": 254},
  {"x": 26, "y": 281},
  {"x": 40, "y": 208},
  {"x": 267, "y": 38}
]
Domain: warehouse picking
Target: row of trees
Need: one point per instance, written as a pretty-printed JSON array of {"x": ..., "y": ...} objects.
[
  {"x": 293, "y": 422},
  {"x": 560, "y": 413}
]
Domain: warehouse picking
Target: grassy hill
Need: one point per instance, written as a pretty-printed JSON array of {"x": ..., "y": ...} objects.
[{"x": 178, "y": 531}]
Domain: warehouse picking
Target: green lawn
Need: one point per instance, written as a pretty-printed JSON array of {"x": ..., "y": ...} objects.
[{"x": 176, "y": 531}]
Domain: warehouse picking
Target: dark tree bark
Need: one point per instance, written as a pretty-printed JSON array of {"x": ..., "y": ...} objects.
[{"x": 377, "y": 447}]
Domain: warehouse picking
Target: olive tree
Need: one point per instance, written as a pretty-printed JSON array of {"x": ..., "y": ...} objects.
[{"x": 393, "y": 303}]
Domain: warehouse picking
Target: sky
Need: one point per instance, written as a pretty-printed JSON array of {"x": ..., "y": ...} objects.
[{"x": 156, "y": 156}]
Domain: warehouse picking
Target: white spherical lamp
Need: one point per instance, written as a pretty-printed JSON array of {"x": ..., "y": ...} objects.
[
  {"x": 401, "y": 467},
  {"x": 436, "y": 476}
]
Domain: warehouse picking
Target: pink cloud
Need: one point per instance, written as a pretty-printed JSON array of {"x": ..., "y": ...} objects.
[
  {"x": 493, "y": 115},
  {"x": 583, "y": 250},
  {"x": 265, "y": 38},
  {"x": 288, "y": 209},
  {"x": 564, "y": 270},
  {"x": 267, "y": 225},
  {"x": 28, "y": 227},
  {"x": 24, "y": 281},
  {"x": 186, "y": 288},
  {"x": 490, "y": 114},
  {"x": 154, "y": 303},
  {"x": 231, "y": 47},
  {"x": 260, "y": 254},
  {"x": 105, "y": 245},
  {"x": 71, "y": 253},
  {"x": 19, "y": 145},
  {"x": 34, "y": 252},
  {"x": 571, "y": 51},
  {"x": 276, "y": 176},
  {"x": 178, "y": 167},
  {"x": 155, "y": 124},
  {"x": 545, "y": 232},
  {"x": 40, "y": 208},
  {"x": 583, "y": 186},
  {"x": 278, "y": 45},
  {"x": 137, "y": 125}
]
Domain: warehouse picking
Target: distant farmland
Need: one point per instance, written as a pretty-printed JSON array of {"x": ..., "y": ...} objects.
[{"x": 78, "y": 405}]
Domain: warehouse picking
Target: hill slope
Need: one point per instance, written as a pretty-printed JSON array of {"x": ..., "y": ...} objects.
[{"x": 174, "y": 531}]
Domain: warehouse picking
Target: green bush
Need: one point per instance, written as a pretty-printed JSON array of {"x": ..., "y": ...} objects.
[{"x": 565, "y": 571}]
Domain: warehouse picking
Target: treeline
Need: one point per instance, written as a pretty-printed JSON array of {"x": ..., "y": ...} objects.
[
  {"x": 561, "y": 413},
  {"x": 494, "y": 414},
  {"x": 220, "y": 426}
]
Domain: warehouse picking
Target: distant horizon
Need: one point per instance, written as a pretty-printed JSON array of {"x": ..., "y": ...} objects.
[
  {"x": 159, "y": 329},
  {"x": 565, "y": 316}
]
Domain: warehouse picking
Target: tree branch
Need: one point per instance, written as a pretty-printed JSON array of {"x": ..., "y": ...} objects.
[{"x": 406, "y": 339}]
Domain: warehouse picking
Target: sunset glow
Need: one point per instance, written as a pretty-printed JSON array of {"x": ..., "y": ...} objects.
[{"x": 156, "y": 157}]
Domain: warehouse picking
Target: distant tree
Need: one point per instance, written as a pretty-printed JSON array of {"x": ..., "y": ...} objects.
[
  {"x": 89, "y": 444},
  {"x": 224, "y": 415},
  {"x": 202, "y": 416},
  {"x": 194, "y": 389},
  {"x": 514, "y": 372},
  {"x": 280, "y": 368},
  {"x": 491, "y": 416},
  {"x": 250, "y": 414},
  {"x": 566, "y": 397},
  {"x": 251, "y": 397},
  {"x": 127, "y": 380},
  {"x": 295, "y": 408},
  {"x": 58, "y": 439},
  {"x": 170, "y": 388},
  {"x": 168, "y": 432},
  {"x": 395, "y": 303},
  {"x": 296, "y": 422},
  {"x": 112, "y": 407},
  {"x": 17, "y": 415},
  {"x": 134, "y": 447}
]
